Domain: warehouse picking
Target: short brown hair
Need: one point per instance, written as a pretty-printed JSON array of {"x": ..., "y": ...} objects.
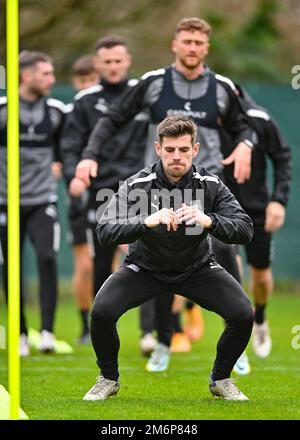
[
  {"x": 84, "y": 65},
  {"x": 110, "y": 41},
  {"x": 28, "y": 58},
  {"x": 176, "y": 126},
  {"x": 193, "y": 24}
]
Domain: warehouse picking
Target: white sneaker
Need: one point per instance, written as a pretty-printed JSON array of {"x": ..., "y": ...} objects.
[
  {"x": 24, "y": 345},
  {"x": 103, "y": 389},
  {"x": 147, "y": 344},
  {"x": 226, "y": 389},
  {"x": 47, "y": 342},
  {"x": 262, "y": 342},
  {"x": 160, "y": 358},
  {"x": 242, "y": 365}
]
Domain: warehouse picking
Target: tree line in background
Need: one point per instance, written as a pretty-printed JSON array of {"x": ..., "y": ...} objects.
[{"x": 252, "y": 39}]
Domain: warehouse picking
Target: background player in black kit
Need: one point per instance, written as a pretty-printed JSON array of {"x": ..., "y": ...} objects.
[
  {"x": 120, "y": 156},
  {"x": 41, "y": 121},
  {"x": 84, "y": 76}
]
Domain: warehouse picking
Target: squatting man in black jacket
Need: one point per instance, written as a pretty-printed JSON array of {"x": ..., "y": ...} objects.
[
  {"x": 170, "y": 250},
  {"x": 186, "y": 87}
]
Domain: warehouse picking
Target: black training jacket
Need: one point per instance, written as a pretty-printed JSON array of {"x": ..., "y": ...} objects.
[
  {"x": 122, "y": 154},
  {"x": 169, "y": 254}
]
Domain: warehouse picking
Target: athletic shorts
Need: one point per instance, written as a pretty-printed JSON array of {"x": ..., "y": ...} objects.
[
  {"x": 77, "y": 230},
  {"x": 77, "y": 221},
  {"x": 260, "y": 251}
]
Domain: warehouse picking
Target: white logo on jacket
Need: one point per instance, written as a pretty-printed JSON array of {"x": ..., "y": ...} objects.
[{"x": 101, "y": 105}]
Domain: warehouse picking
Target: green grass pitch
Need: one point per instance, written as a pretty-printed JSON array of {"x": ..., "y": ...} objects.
[{"x": 53, "y": 385}]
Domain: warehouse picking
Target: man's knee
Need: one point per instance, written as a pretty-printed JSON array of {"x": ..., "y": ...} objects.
[
  {"x": 103, "y": 310},
  {"x": 45, "y": 250},
  {"x": 246, "y": 314},
  {"x": 47, "y": 258},
  {"x": 243, "y": 312}
]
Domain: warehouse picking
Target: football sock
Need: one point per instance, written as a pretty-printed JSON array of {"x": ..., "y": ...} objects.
[
  {"x": 85, "y": 321},
  {"x": 176, "y": 323},
  {"x": 259, "y": 314},
  {"x": 189, "y": 305}
]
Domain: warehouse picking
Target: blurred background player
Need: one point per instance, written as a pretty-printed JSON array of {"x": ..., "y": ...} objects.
[
  {"x": 267, "y": 210},
  {"x": 192, "y": 328},
  {"x": 120, "y": 157},
  {"x": 186, "y": 87},
  {"x": 84, "y": 75},
  {"x": 41, "y": 120}
]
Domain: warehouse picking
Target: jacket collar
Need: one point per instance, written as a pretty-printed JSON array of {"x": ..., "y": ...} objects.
[
  {"x": 206, "y": 72},
  {"x": 163, "y": 182},
  {"x": 114, "y": 89}
]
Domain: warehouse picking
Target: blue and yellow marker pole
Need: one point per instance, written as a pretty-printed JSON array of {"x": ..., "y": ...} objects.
[{"x": 12, "y": 39}]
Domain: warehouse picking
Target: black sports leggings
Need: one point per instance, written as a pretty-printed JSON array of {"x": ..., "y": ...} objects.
[
  {"x": 210, "y": 286},
  {"x": 41, "y": 224}
]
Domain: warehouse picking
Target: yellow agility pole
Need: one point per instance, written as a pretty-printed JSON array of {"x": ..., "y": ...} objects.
[{"x": 13, "y": 205}]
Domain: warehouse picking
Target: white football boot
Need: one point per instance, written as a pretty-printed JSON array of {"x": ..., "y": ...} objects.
[
  {"x": 261, "y": 342},
  {"x": 24, "y": 345},
  {"x": 47, "y": 342},
  {"x": 103, "y": 389},
  {"x": 226, "y": 389}
]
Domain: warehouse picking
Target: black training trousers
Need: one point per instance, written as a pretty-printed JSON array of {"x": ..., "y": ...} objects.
[
  {"x": 210, "y": 286},
  {"x": 41, "y": 224},
  {"x": 149, "y": 320}
]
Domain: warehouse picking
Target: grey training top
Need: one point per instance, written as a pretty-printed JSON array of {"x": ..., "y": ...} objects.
[{"x": 40, "y": 125}]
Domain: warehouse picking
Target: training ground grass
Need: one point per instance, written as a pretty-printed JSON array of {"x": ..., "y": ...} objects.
[{"x": 52, "y": 386}]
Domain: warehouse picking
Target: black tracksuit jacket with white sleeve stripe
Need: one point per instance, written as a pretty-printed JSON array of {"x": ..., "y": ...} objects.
[{"x": 171, "y": 255}]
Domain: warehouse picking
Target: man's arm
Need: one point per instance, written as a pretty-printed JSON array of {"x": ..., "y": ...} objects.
[
  {"x": 74, "y": 138},
  {"x": 234, "y": 118},
  {"x": 235, "y": 123},
  {"x": 280, "y": 154},
  {"x": 58, "y": 113},
  {"x": 119, "y": 223},
  {"x": 230, "y": 222},
  {"x": 118, "y": 115}
]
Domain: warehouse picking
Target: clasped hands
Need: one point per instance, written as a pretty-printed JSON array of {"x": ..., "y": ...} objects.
[{"x": 171, "y": 218}]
